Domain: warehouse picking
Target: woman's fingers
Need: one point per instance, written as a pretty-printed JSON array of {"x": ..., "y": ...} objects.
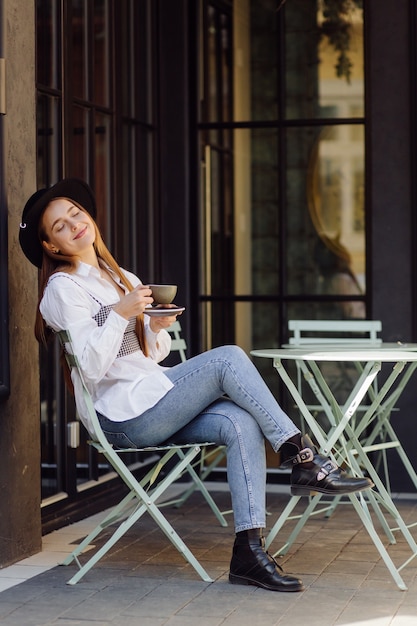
[
  {"x": 157, "y": 323},
  {"x": 135, "y": 302}
]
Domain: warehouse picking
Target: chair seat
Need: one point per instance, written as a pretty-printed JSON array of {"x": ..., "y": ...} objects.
[{"x": 161, "y": 448}]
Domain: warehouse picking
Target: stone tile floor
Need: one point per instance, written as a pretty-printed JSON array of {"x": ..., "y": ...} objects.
[{"x": 145, "y": 581}]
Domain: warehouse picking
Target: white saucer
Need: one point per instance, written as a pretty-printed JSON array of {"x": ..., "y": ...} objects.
[{"x": 154, "y": 312}]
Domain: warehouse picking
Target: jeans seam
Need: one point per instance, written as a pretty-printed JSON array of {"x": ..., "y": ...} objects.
[{"x": 248, "y": 478}]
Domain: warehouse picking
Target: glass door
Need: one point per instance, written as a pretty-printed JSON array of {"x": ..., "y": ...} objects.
[
  {"x": 216, "y": 150},
  {"x": 282, "y": 152}
]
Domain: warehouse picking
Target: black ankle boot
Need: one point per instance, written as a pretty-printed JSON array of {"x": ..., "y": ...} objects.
[
  {"x": 251, "y": 565},
  {"x": 324, "y": 476}
]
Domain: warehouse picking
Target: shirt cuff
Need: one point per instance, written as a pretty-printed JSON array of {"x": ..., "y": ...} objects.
[{"x": 117, "y": 321}]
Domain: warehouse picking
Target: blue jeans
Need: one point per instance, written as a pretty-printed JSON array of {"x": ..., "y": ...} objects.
[{"x": 196, "y": 410}]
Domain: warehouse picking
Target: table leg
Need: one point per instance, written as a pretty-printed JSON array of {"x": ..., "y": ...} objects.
[{"x": 343, "y": 433}]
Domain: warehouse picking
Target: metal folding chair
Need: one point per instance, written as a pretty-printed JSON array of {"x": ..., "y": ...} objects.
[{"x": 143, "y": 495}]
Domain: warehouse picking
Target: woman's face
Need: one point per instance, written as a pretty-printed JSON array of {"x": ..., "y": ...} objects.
[{"x": 67, "y": 229}]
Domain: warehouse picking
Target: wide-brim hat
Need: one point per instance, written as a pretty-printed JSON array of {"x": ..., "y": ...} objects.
[{"x": 71, "y": 188}]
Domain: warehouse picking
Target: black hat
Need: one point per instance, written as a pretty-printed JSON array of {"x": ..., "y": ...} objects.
[{"x": 71, "y": 188}]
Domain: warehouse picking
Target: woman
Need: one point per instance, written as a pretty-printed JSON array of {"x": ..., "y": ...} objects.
[{"x": 216, "y": 396}]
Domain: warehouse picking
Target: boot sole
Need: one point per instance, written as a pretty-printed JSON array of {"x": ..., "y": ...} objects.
[
  {"x": 311, "y": 491},
  {"x": 238, "y": 580}
]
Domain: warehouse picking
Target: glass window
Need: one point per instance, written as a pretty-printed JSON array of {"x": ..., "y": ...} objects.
[
  {"x": 302, "y": 61},
  {"x": 256, "y": 65},
  {"x": 136, "y": 219},
  {"x": 324, "y": 59},
  {"x": 79, "y": 49},
  {"x": 49, "y": 137},
  {"x": 283, "y": 198},
  {"x": 326, "y": 235},
  {"x": 218, "y": 96},
  {"x": 48, "y": 49},
  {"x": 101, "y": 72},
  {"x": 127, "y": 60},
  {"x": 81, "y": 132},
  {"x": 265, "y": 218},
  {"x": 136, "y": 61},
  {"x": 102, "y": 167},
  {"x": 90, "y": 54},
  {"x": 78, "y": 135}
]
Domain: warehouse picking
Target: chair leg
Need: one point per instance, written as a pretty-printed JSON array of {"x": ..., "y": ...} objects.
[
  {"x": 164, "y": 525},
  {"x": 198, "y": 484},
  {"x": 113, "y": 516},
  {"x": 145, "y": 502}
]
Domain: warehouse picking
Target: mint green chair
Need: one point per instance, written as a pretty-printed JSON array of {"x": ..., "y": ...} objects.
[{"x": 144, "y": 496}]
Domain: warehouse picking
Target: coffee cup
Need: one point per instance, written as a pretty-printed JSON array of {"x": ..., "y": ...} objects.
[{"x": 163, "y": 294}]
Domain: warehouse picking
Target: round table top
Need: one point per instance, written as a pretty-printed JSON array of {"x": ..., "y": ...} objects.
[
  {"x": 338, "y": 353},
  {"x": 343, "y": 345}
]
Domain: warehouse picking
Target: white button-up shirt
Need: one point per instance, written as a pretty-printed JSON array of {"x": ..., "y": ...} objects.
[{"x": 121, "y": 388}]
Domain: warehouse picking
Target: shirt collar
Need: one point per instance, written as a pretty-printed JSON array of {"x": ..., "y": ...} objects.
[{"x": 85, "y": 270}]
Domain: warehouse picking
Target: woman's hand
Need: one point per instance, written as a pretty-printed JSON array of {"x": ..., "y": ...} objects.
[
  {"x": 134, "y": 302},
  {"x": 158, "y": 323}
]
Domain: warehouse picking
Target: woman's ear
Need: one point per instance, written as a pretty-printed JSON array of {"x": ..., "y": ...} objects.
[{"x": 50, "y": 247}]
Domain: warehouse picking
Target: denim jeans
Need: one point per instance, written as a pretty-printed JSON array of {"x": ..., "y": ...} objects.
[{"x": 218, "y": 396}]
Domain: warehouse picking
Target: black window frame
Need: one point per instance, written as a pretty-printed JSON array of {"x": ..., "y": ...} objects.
[
  {"x": 64, "y": 469},
  {"x": 4, "y": 299}
]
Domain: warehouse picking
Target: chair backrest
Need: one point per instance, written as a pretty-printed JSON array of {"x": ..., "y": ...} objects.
[
  {"x": 94, "y": 428},
  {"x": 317, "y": 332},
  {"x": 178, "y": 344}
]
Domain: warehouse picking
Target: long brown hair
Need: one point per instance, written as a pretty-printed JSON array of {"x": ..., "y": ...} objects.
[{"x": 57, "y": 262}]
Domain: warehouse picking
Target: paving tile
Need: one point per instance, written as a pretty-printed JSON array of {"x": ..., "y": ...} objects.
[
  {"x": 144, "y": 580},
  {"x": 403, "y": 620},
  {"x": 6, "y": 608},
  {"x": 23, "y": 572},
  {"x": 7, "y": 583},
  {"x": 177, "y": 620},
  {"x": 133, "y": 621}
]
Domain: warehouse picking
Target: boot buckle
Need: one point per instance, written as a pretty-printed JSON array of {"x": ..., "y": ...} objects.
[{"x": 304, "y": 456}]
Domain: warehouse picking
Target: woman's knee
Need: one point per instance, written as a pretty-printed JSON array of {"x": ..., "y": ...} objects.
[
  {"x": 237, "y": 424},
  {"x": 231, "y": 353}
]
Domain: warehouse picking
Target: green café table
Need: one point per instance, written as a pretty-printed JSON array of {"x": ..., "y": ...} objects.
[
  {"x": 379, "y": 435},
  {"x": 342, "y": 438}
]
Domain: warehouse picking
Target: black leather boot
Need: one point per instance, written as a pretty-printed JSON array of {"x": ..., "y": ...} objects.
[
  {"x": 324, "y": 476},
  {"x": 251, "y": 565}
]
